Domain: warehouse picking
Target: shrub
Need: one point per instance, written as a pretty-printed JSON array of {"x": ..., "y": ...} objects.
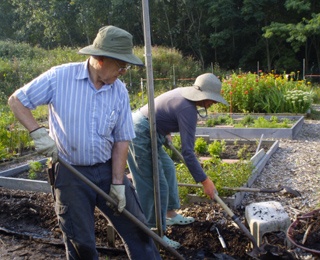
[
  {"x": 200, "y": 146},
  {"x": 222, "y": 174},
  {"x": 249, "y": 92},
  {"x": 216, "y": 148},
  {"x": 34, "y": 169}
]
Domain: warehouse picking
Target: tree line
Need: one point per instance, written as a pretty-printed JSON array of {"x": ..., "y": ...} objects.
[{"x": 251, "y": 35}]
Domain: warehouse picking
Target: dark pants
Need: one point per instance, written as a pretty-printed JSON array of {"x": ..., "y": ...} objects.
[{"x": 75, "y": 205}]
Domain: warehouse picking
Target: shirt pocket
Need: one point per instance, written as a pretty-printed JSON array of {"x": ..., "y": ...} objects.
[{"x": 108, "y": 123}]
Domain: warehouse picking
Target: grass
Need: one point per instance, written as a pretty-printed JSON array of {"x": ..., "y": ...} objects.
[{"x": 315, "y": 112}]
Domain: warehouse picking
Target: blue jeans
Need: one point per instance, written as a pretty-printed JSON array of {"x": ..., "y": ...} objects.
[
  {"x": 75, "y": 205},
  {"x": 140, "y": 165}
]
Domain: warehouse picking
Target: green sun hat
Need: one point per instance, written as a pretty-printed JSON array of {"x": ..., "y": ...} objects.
[{"x": 115, "y": 43}]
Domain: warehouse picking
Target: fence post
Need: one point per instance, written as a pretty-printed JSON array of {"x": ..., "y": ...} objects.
[
  {"x": 141, "y": 86},
  {"x": 174, "y": 77},
  {"x": 304, "y": 69}
]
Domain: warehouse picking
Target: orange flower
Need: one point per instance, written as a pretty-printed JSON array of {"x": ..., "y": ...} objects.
[{"x": 246, "y": 92}]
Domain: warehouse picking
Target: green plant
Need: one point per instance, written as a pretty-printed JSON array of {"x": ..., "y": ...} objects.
[
  {"x": 252, "y": 122},
  {"x": 298, "y": 101},
  {"x": 200, "y": 146},
  {"x": 220, "y": 120},
  {"x": 216, "y": 147},
  {"x": 222, "y": 174},
  {"x": 264, "y": 93},
  {"x": 247, "y": 120},
  {"x": 243, "y": 153},
  {"x": 34, "y": 169}
]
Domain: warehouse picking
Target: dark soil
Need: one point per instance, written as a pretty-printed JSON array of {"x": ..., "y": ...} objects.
[{"x": 29, "y": 230}]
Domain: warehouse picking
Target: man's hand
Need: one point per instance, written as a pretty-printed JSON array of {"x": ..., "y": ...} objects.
[
  {"x": 117, "y": 192},
  {"x": 209, "y": 188},
  {"x": 44, "y": 143}
]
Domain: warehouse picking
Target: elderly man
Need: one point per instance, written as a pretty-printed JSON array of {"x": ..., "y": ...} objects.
[{"x": 90, "y": 124}]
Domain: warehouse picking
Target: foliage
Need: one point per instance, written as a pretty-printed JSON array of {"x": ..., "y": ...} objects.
[
  {"x": 34, "y": 169},
  {"x": 247, "y": 120},
  {"x": 243, "y": 153},
  {"x": 249, "y": 92},
  {"x": 234, "y": 34},
  {"x": 200, "y": 146},
  {"x": 216, "y": 147},
  {"x": 220, "y": 120},
  {"x": 298, "y": 100},
  {"x": 250, "y": 121},
  {"x": 222, "y": 174},
  {"x": 264, "y": 93}
]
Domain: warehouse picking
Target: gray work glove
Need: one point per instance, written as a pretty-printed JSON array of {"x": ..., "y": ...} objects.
[
  {"x": 117, "y": 192},
  {"x": 44, "y": 143}
]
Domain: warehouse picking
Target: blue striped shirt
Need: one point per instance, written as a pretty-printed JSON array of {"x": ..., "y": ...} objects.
[{"x": 83, "y": 121}]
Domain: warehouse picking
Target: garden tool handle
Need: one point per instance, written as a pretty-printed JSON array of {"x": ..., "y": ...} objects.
[
  {"x": 125, "y": 212},
  {"x": 237, "y": 221},
  {"x": 171, "y": 146},
  {"x": 223, "y": 205}
]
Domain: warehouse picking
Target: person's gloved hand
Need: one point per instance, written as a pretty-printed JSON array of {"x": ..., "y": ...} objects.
[
  {"x": 44, "y": 143},
  {"x": 117, "y": 192},
  {"x": 209, "y": 188}
]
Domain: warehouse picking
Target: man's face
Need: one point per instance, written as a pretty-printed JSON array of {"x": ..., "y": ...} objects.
[{"x": 111, "y": 69}]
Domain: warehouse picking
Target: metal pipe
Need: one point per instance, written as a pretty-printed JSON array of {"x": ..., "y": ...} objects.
[{"x": 152, "y": 121}]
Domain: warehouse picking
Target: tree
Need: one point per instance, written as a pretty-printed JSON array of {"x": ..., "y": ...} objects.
[
  {"x": 226, "y": 23},
  {"x": 7, "y": 16},
  {"x": 303, "y": 32}
]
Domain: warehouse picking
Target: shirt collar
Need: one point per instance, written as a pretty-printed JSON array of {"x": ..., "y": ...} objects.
[
  {"x": 84, "y": 74},
  {"x": 84, "y": 71}
]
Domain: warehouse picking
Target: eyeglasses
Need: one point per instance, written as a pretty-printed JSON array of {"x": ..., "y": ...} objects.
[{"x": 122, "y": 69}]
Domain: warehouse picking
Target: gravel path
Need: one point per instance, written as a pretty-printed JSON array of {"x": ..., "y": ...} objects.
[{"x": 295, "y": 164}]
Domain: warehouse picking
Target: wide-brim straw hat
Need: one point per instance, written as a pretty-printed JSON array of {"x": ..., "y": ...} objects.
[
  {"x": 206, "y": 86},
  {"x": 115, "y": 43}
]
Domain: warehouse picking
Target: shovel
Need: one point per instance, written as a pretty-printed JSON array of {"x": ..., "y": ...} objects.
[
  {"x": 256, "y": 251},
  {"x": 125, "y": 212}
]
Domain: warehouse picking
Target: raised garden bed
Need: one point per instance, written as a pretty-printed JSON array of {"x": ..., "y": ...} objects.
[
  {"x": 228, "y": 132},
  {"x": 258, "y": 159},
  {"x": 17, "y": 178}
]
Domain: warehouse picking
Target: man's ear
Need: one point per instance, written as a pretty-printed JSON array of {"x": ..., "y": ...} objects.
[{"x": 100, "y": 61}]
